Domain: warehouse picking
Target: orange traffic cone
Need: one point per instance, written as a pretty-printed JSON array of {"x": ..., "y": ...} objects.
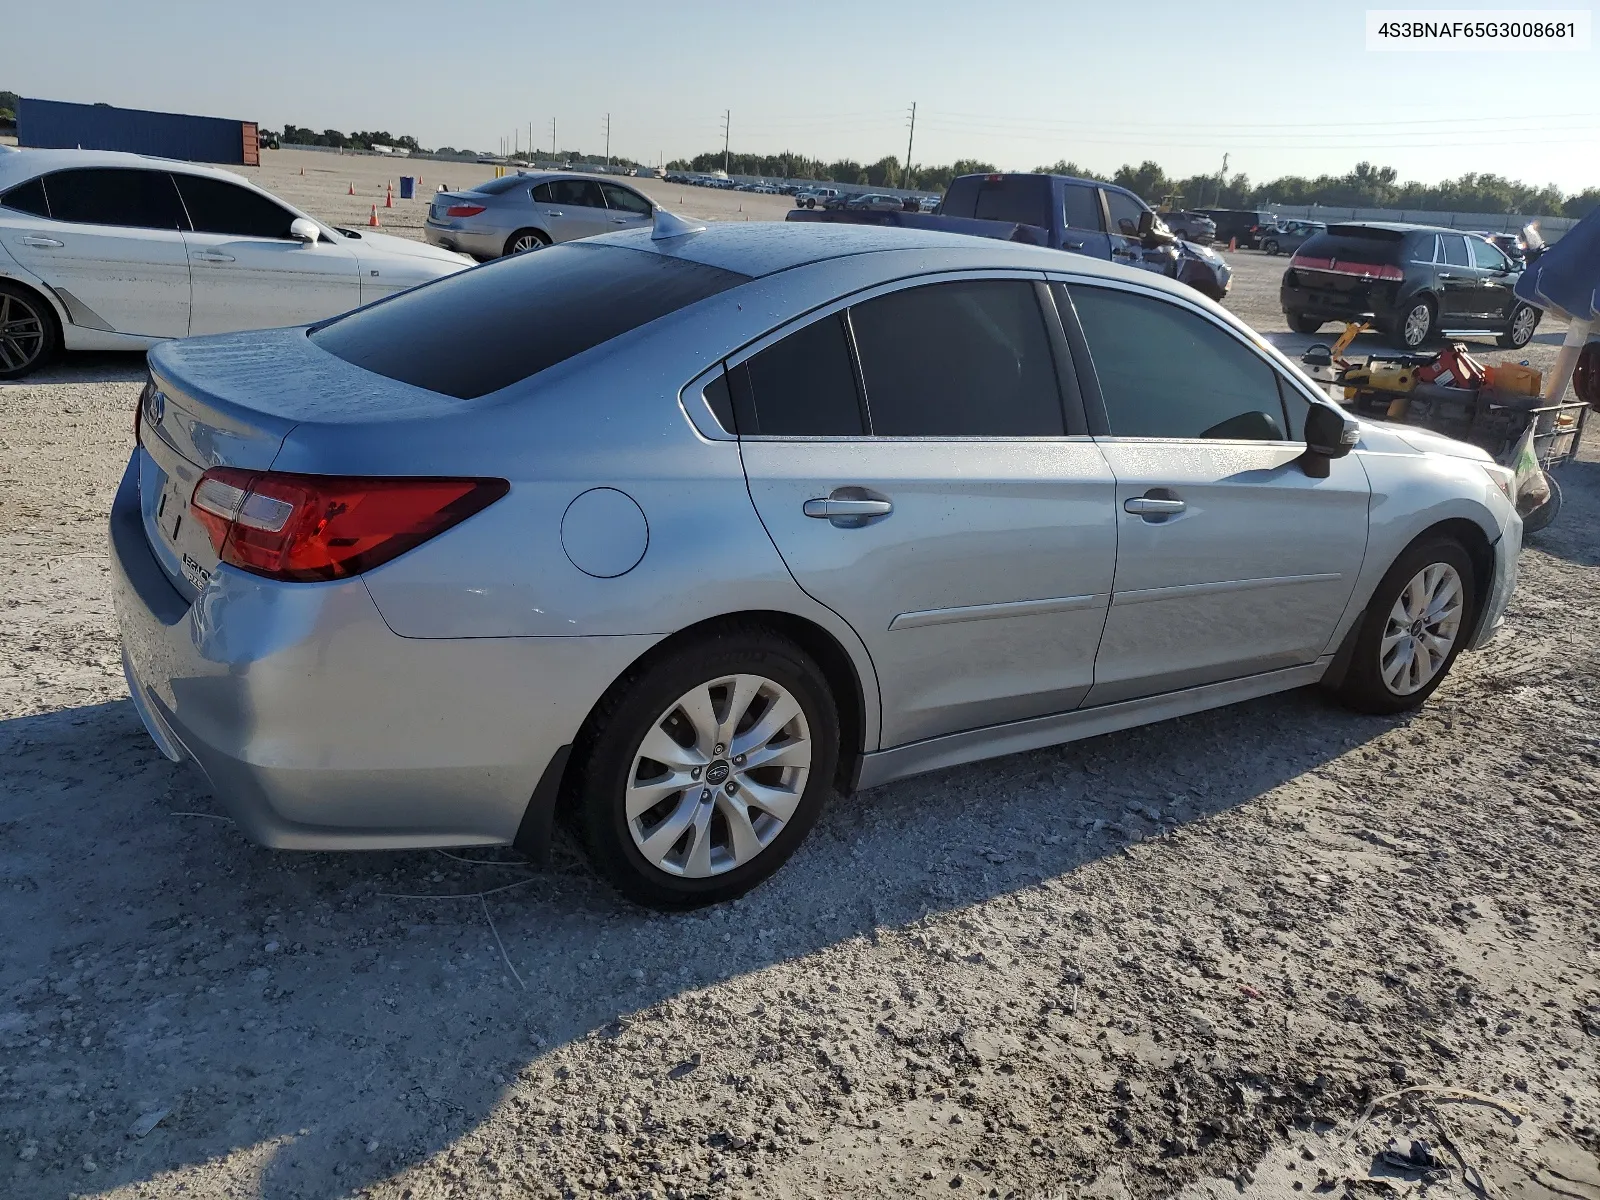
[
  {"x": 1233, "y": 243},
  {"x": 302, "y": 170},
  {"x": 388, "y": 198},
  {"x": 373, "y": 219},
  {"x": 352, "y": 189}
]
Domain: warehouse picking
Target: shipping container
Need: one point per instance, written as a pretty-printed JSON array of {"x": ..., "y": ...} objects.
[{"x": 57, "y": 124}]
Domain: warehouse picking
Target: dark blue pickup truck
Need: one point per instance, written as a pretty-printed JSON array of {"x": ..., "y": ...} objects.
[{"x": 1081, "y": 216}]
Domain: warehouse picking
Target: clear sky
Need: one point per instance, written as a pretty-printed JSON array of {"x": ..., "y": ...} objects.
[{"x": 1282, "y": 88}]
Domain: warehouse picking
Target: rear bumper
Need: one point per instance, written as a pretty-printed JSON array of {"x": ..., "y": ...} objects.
[
  {"x": 320, "y": 729},
  {"x": 1369, "y": 301},
  {"x": 476, "y": 242}
]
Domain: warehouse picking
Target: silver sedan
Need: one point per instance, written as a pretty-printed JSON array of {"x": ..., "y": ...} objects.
[
  {"x": 677, "y": 534},
  {"x": 532, "y": 210}
]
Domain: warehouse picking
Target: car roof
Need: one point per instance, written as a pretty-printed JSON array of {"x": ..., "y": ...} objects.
[
  {"x": 1401, "y": 227},
  {"x": 758, "y": 248},
  {"x": 28, "y": 162}
]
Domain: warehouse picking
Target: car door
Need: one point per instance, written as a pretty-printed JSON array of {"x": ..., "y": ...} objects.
[
  {"x": 572, "y": 208},
  {"x": 936, "y": 500},
  {"x": 1084, "y": 221},
  {"x": 248, "y": 272},
  {"x": 627, "y": 209},
  {"x": 112, "y": 247},
  {"x": 1458, "y": 280},
  {"x": 1231, "y": 560},
  {"x": 1496, "y": 279}
]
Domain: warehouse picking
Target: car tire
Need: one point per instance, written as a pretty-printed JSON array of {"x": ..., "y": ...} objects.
[
  {"x": 1303, "y": 322},
  {"x": 1425, "y": 603},
  {"x": 525, "y": 241},
  {"x": 1544, "y": 516},
  {"x": 29, "y": 336},
  {"x": 1519, "y": 329},
  {"x": 1413, "y": 328},
  {"x": 1270, "y": 246},
  {"x": 689, "y": 695}
]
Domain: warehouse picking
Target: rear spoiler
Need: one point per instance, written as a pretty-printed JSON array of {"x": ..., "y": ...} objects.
[{"x": 1005, "y": 231}]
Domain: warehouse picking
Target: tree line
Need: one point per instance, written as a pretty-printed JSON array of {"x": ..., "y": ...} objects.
[{"x": 1364, "y": 186}]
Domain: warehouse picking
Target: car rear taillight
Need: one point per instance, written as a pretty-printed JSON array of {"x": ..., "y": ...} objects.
[
  {"x": 303, "y": 528},
  {"x": 463, "y": 210}
]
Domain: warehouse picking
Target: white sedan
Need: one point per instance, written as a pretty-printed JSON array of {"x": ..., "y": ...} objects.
[{"x": 108, "y": 251}]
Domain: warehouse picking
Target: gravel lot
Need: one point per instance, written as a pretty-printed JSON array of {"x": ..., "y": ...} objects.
[{"x": 1233, "y": 954}]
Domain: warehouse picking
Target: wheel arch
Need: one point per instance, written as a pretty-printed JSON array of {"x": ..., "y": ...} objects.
[
  {"x": 45, "y": 292},
  {"x": 555, "y": 794}
]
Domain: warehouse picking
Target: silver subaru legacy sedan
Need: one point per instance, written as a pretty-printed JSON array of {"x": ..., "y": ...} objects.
[
  {"x": 531, "y": 210},
  {"x": 671, "y": 536}
]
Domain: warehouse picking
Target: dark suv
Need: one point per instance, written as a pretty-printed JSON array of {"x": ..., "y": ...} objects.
[
  {"x": 1412, "y": 281},
  {"x": 1246, "y": 224}
]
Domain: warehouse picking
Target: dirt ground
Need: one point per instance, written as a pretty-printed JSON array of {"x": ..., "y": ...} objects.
[{"x": 1234, "y": 954}]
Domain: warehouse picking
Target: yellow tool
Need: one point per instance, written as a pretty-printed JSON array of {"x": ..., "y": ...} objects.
[{"x": 1352, "y": 330}]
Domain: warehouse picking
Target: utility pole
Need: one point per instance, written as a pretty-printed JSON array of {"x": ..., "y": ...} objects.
[
  {"x": 555, "y": 153},
  {"x": 727, "y": 125},
  {"x": 608, "y": 139},
  {"x": 905, "y": 176},
  {"x": 530, "y": 141},
  {"x": 1222, "y": 174}
]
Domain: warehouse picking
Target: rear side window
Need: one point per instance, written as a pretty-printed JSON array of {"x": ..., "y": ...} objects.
[
  {"x": 579, "y": 193},
  {"x": 1165, "y": 372},
  {"x": 1083, "y": 207},
  {"x": 115, "y": 196},
  {"x": 27, "y": 197},
  {"x": 1455, "y": 249},
  {"x": 801, "y": 386},
  {"x": 969, "y": 359},
  {"x": 217, "y": 206},
  {"x": 482, "y": 330}
]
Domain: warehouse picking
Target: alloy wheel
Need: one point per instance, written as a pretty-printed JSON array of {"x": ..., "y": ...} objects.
[
  {"x": 22, "y": 333},
  {"x": 526, "y": 243},
  {"x": 1522, "y": 325},
  {"x": 1422, "y": 629},
  {"x": 717, "y": 776},
  {"x": 1418, "y": 320}
]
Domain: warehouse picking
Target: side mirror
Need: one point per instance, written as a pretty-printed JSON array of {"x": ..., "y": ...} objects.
[
  {"x": 302, "y": 230},
  {"x": 1147, "y": 223},
  {"x": 1329, "y": 435}
]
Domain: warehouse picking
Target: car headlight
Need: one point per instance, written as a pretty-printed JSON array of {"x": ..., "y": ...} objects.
[{"x": 1503, "y": 478}]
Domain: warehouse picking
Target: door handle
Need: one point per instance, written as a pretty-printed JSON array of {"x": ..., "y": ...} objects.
[
  {"x": 213, "y": 257},
  {"x": 1152, "y": 506},
  {"x": 41, "y": 242},
  {"x": 554, "y": 212},
  {"x": 830, "y": 508},
  {"x": 1073, "y": 245},
  {"x": 619, "y": 220}
]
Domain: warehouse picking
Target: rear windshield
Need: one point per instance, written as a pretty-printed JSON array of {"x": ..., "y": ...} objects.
[
  {"x": 1352, "y": 243},
  {"x": 470, "y": 334},
  {"x": 493, "y": 187},
  {"x": 1023, "y": 199}
]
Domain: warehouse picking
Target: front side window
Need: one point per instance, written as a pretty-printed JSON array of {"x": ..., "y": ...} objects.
[
  {"x": 27, "y": 197},
  {"x": 625, "y": 200},
  {"x": 217, "y": 206},
  {"x": 1486, "y": 256},
  {"x": 1083, "y": 207},
  {"x": 801, "y": 386},
  {"x": 965, "y": 359},
  {"x": 1166, "y": 372},
  {"x": 1125, "y": 213},
  {"x": 115, "y": 196}
]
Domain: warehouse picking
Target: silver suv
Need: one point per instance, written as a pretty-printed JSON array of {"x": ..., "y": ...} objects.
[{"x": 528, "y": 211}]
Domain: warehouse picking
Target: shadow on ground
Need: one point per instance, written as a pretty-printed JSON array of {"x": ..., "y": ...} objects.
[
  {"x": 297, "y": 1009},
  {"x": 87, "y": 367}
]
